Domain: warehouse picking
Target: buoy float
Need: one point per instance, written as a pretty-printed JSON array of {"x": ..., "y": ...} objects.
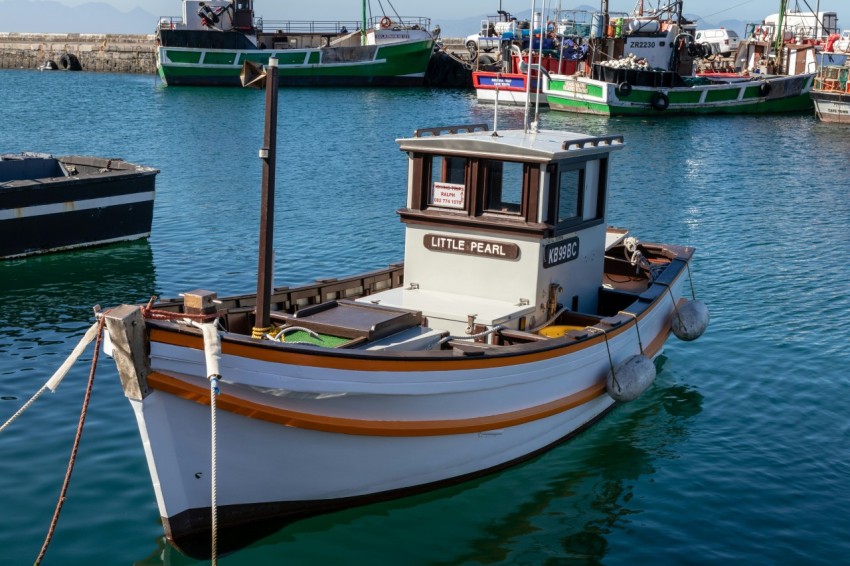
[
  {"x": 630, "y": 378},
  {"x": 690, "y": 320}
]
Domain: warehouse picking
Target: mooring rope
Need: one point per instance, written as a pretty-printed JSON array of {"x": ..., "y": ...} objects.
[
  {"x": 607, "y": 347},
  {"x": 496, "y": 328},
  {"x": 52, "y": 383},
  {"x": 212, "y": 355},
  {"x": 76, "y": 446},
  {"x": 691, "y": 281},
  {"x": 637, "y": 327}
]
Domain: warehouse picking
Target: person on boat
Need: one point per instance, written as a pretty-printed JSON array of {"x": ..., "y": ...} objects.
[{"x": 343, "y": 29}]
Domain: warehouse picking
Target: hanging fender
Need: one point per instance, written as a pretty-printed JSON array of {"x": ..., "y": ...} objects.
[{"x": 660, "y": 101}]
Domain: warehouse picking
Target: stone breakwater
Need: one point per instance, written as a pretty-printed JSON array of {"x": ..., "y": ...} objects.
[{"x": 106, "y": 53}]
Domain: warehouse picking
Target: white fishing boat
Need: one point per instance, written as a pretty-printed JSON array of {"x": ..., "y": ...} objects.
[
  {"x": 831, "y": 91},
  {"x": 208, "y": 44},
  {"x": 517, "y": 319},
  {"x": 650, "y": 72}
]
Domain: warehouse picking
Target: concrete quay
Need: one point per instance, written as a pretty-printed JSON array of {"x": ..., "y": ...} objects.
[{"x": 107, "y": 53}]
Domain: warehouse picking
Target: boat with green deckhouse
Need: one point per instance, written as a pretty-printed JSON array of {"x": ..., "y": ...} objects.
[
  {"x": 652, "y": 74},
  {"x": 208, "y": 45}
]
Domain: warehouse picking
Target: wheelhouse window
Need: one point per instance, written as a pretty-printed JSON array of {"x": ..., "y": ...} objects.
[
  {"x": 579, "y": 196},
  {"x": 570, "y": 196},
  {"x": 503, "y": 182},
  {"x": 448, "y": 182}
]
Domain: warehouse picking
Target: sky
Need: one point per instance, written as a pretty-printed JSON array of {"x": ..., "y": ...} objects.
[{"x": 749, "y": 10}]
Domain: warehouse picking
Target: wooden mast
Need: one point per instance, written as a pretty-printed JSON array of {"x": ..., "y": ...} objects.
[{"x": 266, "y": 253}]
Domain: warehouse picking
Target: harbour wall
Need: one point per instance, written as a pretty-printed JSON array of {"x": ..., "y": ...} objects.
[{"x": 107, "y": 53}]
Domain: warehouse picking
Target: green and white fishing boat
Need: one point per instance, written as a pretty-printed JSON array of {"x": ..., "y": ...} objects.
[
  {"x": 654, "y": 75},
  {"x": 209, "y": 43}
]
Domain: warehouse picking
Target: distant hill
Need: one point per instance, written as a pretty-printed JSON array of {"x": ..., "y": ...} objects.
[{"x": 26, "y": 16}]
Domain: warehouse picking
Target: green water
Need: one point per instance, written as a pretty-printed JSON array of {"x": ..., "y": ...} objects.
[{"x": 738, "y": 454}]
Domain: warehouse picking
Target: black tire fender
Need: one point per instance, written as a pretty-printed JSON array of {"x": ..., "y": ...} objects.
[
  {"x": 660, "y": 101},
  {"x": 69, "y": 62},
  {"x": 764, "y": 89},
  {"x": 624, "y": 89}
]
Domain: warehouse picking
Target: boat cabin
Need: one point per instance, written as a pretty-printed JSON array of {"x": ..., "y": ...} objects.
[{"x": 502, "y": 228}]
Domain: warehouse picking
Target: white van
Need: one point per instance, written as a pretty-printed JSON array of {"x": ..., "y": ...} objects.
[{"x": 722, "y": 41}]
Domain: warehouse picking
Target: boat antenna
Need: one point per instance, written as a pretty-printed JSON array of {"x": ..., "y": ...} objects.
[
  {"x": 538, "y": 82},
  {"x": 528, "y": 69},
  {"x": 268, "y": 153},
  {"x": 495, "y": 133}
]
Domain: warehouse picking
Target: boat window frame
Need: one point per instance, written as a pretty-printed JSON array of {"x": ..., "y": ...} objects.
[
  {"x": 580, "y": 221},
  {"x": 484, "y": 189}
]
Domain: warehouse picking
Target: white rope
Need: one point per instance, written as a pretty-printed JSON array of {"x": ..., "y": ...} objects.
[
  {"x": 57, "y": 377},
  {"x": 546, "y": 323},
  {"x": 473, "y": 336},
  {"x": 212, "y": 355}
]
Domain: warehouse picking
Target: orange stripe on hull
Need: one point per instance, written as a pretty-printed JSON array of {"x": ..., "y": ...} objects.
[{"x": 340, "y": 425}]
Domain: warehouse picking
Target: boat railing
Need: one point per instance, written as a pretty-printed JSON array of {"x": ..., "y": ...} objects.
[
  {"x": 418, "y": 133},
  {"x": 400, "y": 22},
  {"x": 170, "y": 22},
  {"x": 306, "y": 27},
  {"x": 584, "y": 143}
]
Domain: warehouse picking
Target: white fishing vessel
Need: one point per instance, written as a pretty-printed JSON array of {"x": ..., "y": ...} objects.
[
  {"x": 831, "y": 91},
  {"x": 650, "y": 72},
  {"x": 517, "y": 319}
]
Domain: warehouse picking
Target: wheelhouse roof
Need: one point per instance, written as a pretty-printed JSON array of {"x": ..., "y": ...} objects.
[{"x": 516, "y": 145}]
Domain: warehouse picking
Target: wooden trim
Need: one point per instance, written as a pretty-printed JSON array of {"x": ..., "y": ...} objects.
[
  {"x": 418, "y": 181},
  {"x": 531, "y": 192},
  {"x": 340, "y": 425},
  {"x": 485, "y": 223}
]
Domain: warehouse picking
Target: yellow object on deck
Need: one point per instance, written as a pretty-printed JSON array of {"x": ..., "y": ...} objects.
[{"x": 558, "y": 330}]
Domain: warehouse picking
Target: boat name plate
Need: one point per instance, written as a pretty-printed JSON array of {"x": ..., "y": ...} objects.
[
  {"x": 561, "y": 251},
  {"x": 469, "y": 246}
]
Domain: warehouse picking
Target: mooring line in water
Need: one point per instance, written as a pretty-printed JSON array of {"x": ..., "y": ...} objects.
[
  {"x": 57, "y": 377},
  {"x": 72, "y": 460}
]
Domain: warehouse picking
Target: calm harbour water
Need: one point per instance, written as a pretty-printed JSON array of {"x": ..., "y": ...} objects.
[{"x": 740, "y": 452}]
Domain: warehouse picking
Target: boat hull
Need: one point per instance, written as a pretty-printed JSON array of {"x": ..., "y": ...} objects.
[
  {"x": 88, "y": 209},
  {"x": 303, "y": 430},
  {"x": 396, "y": 64},
  {"x": 590, "y": 96},
  {"x": 509, "y": 88},
  {"x": 832, "y": 106}
]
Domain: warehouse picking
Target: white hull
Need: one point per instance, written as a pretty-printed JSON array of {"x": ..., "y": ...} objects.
[
  {"x": 832, "y": 108},
  {"x": 289, "y": 463}
]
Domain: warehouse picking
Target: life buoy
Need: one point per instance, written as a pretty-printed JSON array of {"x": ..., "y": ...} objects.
[
  {"x": 386, "y": 22},
  {"x": 660, "y": 101},
  {"x": 830, "y": 42},
  {"x": 764, "y": 89},
  {"x": 624, "y": 89},
  {"x": 550, "y": 25}
]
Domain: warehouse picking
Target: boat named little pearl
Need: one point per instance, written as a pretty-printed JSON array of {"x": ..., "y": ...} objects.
[{"x": 517, "y": 319}]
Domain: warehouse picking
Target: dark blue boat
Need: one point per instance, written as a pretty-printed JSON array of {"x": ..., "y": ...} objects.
[{"x": 57, "y": 203}]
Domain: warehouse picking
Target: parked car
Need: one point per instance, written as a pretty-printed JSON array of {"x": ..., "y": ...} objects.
[
  {"x": 491, "y": 32},
  {"x": 722, "y": 41}
]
